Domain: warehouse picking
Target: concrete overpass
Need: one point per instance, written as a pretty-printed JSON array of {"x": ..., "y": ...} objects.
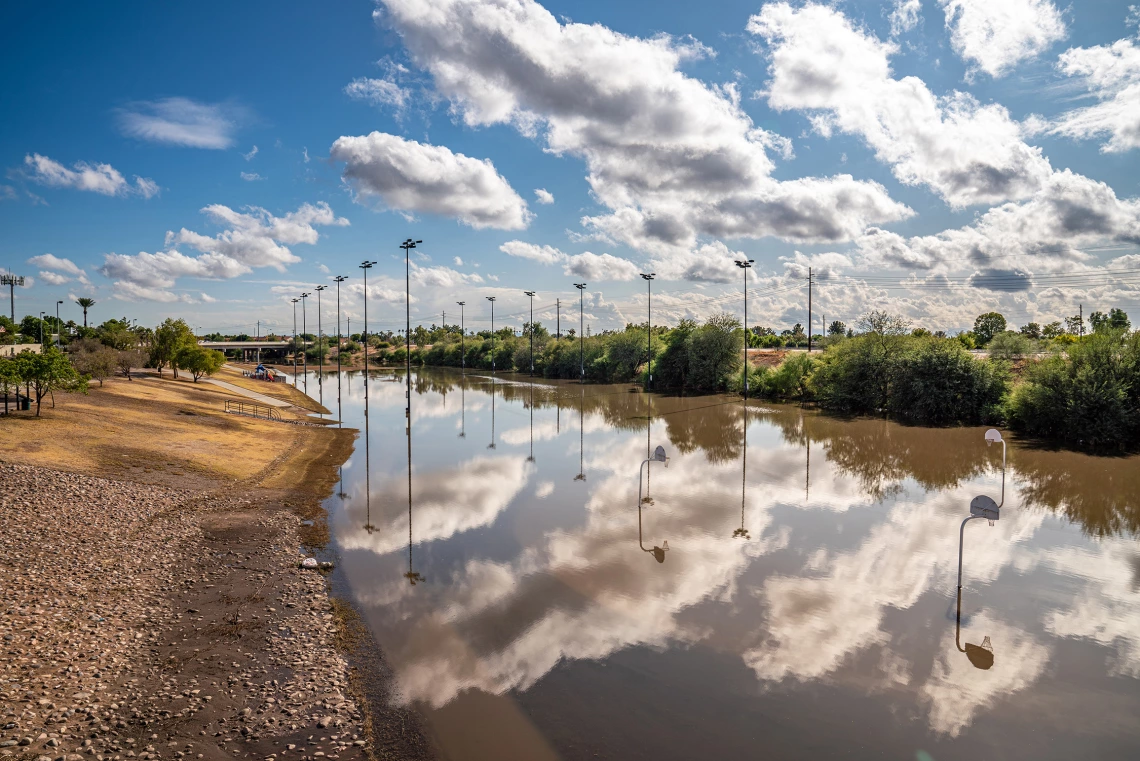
[{"x": 249, "y": 349}]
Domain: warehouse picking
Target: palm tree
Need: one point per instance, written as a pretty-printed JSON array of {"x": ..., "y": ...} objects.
[{"x": 86, "y": 303}]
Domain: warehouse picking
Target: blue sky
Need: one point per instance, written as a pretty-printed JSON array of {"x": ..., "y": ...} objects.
[{"x": 937, "y": 158}]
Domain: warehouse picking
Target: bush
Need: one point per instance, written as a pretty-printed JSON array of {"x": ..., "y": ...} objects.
[
  {"x": 937, "y": 382},
  {"x": 1009, "y": 346},
  {"x": 1087, "y": 397},
  {"x": 790, "y": 380}
]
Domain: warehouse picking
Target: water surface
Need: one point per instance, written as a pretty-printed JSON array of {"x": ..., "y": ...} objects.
[{"x": 805, "y": 606}]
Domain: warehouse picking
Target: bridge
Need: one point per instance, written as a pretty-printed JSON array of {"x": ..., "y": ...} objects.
[{"x": 244, "y": 344}]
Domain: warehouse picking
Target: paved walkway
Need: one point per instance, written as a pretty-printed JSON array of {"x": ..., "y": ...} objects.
[{"x": 261, "y": 398}]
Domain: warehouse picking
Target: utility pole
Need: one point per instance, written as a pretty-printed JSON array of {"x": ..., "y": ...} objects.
[
  {"x": 809, "y": 309},
  {"x": 258, "y": 338},
  {"x": 492, "y": 300},
  {"x": 745, "y": 265},
  {"x": 649, "y": 331},
  {"x": 1082, "y": 319},
  {"x": 558, "y": 318},
  {"x": 462, "y": 338},
  {"x": 12, "y": 281},
  {"x": 581, "y": 327},
  {"x": 408, "y": 245},
  {"x": 366, "y": 265},
  {"x": 531, "y": 294},
  {"x": 320, "y": 340}
]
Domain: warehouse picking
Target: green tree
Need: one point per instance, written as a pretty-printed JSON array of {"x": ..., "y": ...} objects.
[
  {"x": 988, "y": 325},
  {"x": 1074, "y": 326},
  {"x": 169, "y": 337},
  {"x": 118, "y": 334},
  {"x": 47, "y": 372},
  {"x": 837, "y": 328},
  {"x": 93, "y": 359},
  {"x": 1118, "y": 319},
  {"x": 9, "y": 376},
  {"x": 1051, "y": 330},
  {"x": 1031, "y": 330},
  {"x": 32, "y": 328},
  {"x": 1009, "y": 345},
  {"x": 86, "y": 304},
  {"x": 199, "y": 361}
]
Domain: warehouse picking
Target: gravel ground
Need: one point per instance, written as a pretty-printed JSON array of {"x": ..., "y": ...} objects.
[{"x": 144, "y": 622}]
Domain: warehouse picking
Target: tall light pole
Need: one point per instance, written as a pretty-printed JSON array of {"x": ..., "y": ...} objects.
[
  {"x": 492, "y": 300},
  {"x": 295, "y": 342},
  {"x": 745, "y": 265},
  {"x": 320, "y": 340},
  {"x": 649, "y": 323},
  {"x": 338, "y": 280},
  {"x": 304, "y": 342},
  {"x": 462, "y": 338},
  {"x": 408, "y": 245},
  {"x": 581, "y": 329},
  {"x": 531, "y": 294},
  {"x": 42, "y": 330},
  {"x": 366, "y": 265},
  {"x": 58, "y": 330}
]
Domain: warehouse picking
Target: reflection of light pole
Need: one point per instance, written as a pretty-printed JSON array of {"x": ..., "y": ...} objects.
[
  {"x": 492, "y": 300},
  {"x": 462, "y": 338},
  {"x": 339, "y": 279},
  {"x": 367, "y": 479},
  {"x": 531, "y": 457},
  {"x": 742, "y": 533},
  {"x": 982, "y": 656},
  {"x": 411, "y": 575},
  {"x": 658, "y": 552},
  {"x": 649, "y": 329},
  {"x": 745, "y": 265},
  {"x": 582, "y": 438},
  {"x": 581, "y": 327},
  {"x": 531, "y": 294},
  {"x": 492, "y": 444},
  {"x": 463, "y": 407}
]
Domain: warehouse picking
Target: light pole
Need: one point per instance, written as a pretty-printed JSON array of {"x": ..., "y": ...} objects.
[
  {"x": 338, "y": 280},
  {"x": 408, "y": 245},
  {"x": 42, "y": 330},
  {"x": 745, "y": 265},
  {"x": 462, "y": 338},
  {"x": 57, "y": 327},
  {"x": 320, "y": 340},
  {"x": 581, "y": 328},
  {"x": 295, "y": 342},
  {"x": 658, "y": 552},
  {"x": 366, "y": 265},
  {"x": 531, "y": 294},
  {"x": 304, "y": 341},
  {"x": 649, "y": 324},
  {"x": 492, "y": 300}
]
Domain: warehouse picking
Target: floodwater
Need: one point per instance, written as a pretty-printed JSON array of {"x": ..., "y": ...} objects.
[{"x": 805, "y": 606}]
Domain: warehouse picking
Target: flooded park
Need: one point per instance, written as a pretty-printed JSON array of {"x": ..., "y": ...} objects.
[{"x": 555, "y": 570}]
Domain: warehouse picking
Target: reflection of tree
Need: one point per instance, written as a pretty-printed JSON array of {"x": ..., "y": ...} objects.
[
  {"x": 1100, "y": 493},
  {"x": 880, "y": 454}
]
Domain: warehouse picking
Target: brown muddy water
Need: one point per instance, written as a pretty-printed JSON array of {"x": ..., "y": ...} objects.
[{"x": 805, "y": 606}]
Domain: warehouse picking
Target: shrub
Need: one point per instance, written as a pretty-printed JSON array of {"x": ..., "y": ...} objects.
[
  {"x": 1087, "y": 397},
  {"x": 937, "y": 382},
  {"x": 1009, "y": 345},
  {"x": 791, "y": 379}
]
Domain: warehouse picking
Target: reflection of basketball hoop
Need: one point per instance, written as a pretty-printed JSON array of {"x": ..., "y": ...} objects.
[{"x": 986, "y": 644}]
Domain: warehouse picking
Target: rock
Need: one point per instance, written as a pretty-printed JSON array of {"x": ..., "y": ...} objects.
[{"x": 310, "y": 563}]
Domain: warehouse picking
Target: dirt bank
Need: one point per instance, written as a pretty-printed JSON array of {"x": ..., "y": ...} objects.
[{"x": 152, "y": 603}]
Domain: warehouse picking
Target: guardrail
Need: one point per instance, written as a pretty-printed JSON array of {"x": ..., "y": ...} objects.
[{"x": 239, "y": 407}]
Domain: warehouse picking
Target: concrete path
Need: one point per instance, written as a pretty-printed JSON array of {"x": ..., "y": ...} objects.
[{"x": 260, "y": 398}]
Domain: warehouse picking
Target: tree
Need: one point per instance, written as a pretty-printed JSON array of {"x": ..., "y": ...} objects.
[
  {"x": 169, "y": 337},
  {"x": 93, "y": 358},
  {"x": 129, "y": 359},
  {"x": 47, "y": 372},
  {"x": 9, "y": 376},
  {"x": 836, "y": 328},
  {"x": 1074, "y": 326},
  {"x": 988, "y": 325},
  {"x": 199, "y": 361},
  {"x": 1009, "y": 345},
  {"x": 1116, "y": 319},
  {"x": 118, "y": 334},
  {"x": 1051, "y": 330},
  {"x": 31, "y": 328},
  {"x": 86, "y": 303},
  {"x": 1031, "y": 330}
]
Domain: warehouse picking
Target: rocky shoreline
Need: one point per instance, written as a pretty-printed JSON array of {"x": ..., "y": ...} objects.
[{"x": 139, "y": 621}]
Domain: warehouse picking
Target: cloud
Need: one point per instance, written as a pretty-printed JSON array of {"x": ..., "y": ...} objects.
[
  {"x": 7, "y": 193},
  {"x": 56, "y": 270},
  {"x": 671, "y": 158},
  {"x": 710, "y": 263},
  {"x": 378, "y": 92},
  {"x": 905, "y": 16},
  {"x": 255, "y": 238},
  {"x": 993, "y": 279},
  {"x": 206, "y": 298},
  {"x": 96, "y": 178},
  {"x": 1112, "y": 74},
  {"x": 966, "y": 152},
  {"x": 458, "y": 261},
  {"x": 251, "y": 176},
  {"x": 249, "y": 156},
  {"x": 305, "y": 153},
  {"x": 415, "y": 177},
  {"x": 996, "y": 36},
  {"x": 595, "y": 267},
  {"x": 181, "y": 121},
  {"x": 823, "y": 266},
  {"x": 534, "y": 252},
  {"x": 127, "y": 291},
  {"x": 543, "y": 195}
]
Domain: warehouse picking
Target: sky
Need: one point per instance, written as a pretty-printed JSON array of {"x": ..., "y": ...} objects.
[{"x": 934, "y": 158}]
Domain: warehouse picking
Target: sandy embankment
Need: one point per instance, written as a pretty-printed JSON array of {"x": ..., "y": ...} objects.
[{"x": 151, "y": 603}]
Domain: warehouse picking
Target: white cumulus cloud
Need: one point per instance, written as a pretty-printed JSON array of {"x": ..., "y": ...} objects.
[
  {"x": 415, "y": 177},
  {"x": 1112, "y": 74},
  {"x": 543, "y": 195},
  {"x": 95, "y": 178},
  {"x": 996, "y": 36}
]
